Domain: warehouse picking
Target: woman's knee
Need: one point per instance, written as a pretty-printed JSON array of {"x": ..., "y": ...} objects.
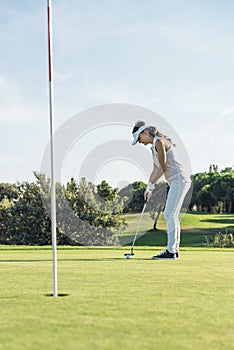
[
  {"x": 167, "y": 215},
  {"x": 170, "y": 215}
]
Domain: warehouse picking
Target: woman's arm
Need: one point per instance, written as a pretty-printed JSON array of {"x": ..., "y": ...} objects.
[
  {"x": 162, "y": 157},
  {"x": 154, "y": 177},
  {"x": 156, "y": 174}
]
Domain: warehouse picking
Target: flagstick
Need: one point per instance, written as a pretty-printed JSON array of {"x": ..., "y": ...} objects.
[{"x": 52, "y": 180}]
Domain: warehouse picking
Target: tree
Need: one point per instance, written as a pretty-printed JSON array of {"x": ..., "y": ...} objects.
[
  {"x": 214, "y": 191},
  {"x": 98, "y": 216},
  {"x": 205, "y": 198},
  {"x": 25, "y": 221},
  {"x": 83, "y": 216},
  {"x": 9, "y": 192},
  {"x": 201, "y": 180},
  {"x": 107, "y": 192},
  {"x": 157, "y": 201},
  {"x": 222, "y": 190},
  {"x": 134, "y": 196}
]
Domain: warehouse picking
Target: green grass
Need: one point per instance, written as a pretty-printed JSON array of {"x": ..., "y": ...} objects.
[
  {"x": 195, "y": 227},
  {"x": 114, "y": 303},
  {"x": 208, "y": 221}
]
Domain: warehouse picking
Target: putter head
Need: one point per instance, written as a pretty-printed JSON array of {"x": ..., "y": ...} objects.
[{"x": 127, "y": 255}]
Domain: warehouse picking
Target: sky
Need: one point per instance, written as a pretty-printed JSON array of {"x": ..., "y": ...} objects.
[{"x": 174, "y": 57}]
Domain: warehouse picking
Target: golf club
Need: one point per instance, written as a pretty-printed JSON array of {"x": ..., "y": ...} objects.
[{"x": 128, "y": 255}]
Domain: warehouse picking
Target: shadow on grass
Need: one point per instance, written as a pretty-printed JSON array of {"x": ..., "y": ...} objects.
[
  {"x": 75, "y": 259},
  {"x": 222, "y": 220},
  {"x": 59, "y": 295},
  {"x": 24, "y": 260},
  {"x": 105, "y": 259}
]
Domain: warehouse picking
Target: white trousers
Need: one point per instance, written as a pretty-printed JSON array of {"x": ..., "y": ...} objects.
[{"x": 173, "y": 206}]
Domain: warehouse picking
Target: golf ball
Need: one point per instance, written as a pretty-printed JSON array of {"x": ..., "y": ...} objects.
[{"x": 127, "y": 256}]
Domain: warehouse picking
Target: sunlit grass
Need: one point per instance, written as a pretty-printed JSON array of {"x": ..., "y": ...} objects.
[{"x": 114, "y": 303}]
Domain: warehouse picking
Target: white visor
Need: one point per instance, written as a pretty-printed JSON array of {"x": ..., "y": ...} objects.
[{"x": 136, "y": 134}]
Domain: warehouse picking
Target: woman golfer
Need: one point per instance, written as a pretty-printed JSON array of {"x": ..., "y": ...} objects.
[{"x": 166, "y": 163}]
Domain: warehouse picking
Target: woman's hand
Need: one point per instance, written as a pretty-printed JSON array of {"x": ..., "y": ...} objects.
[
  {"x": 147, "y": 196},
  {"x": 148, "y": 191}
]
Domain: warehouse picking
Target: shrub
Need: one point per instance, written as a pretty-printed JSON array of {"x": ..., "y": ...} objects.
[{"x": 220, "y": 240}]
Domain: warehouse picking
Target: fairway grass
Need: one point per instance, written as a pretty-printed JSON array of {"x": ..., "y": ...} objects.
[
  {"x": 190, "y": 221},
  {"x": 114, "y": 303},
  {"x": 195, "y": 228}
]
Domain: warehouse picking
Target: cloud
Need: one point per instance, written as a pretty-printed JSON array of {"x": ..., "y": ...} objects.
[
  {"x": 226, "y": 114},
  {"x": 223, "y": 122}
]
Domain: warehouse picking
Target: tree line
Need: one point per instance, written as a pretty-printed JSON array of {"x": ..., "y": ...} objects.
[
  {"x": 85, "y": 213},
  {"x": 213, "y": 191},
  {"x": 92, "y": 215}
]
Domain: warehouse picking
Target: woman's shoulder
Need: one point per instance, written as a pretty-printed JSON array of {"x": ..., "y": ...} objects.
[
  {"x": 163, "y": 142},
  {"x": 156, "y": 139}
]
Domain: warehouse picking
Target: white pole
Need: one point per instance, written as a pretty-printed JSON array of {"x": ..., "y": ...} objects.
[{"x": 52, "y": 180}]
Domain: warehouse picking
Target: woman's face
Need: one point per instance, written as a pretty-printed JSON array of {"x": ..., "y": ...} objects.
[{"x": 144, "y": 137}]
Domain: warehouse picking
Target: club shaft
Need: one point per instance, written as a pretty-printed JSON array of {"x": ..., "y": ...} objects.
[{"x": 138, "y": 225}]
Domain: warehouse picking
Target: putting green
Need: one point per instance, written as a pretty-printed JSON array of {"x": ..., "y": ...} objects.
[{"x": 116, "y": 303}]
